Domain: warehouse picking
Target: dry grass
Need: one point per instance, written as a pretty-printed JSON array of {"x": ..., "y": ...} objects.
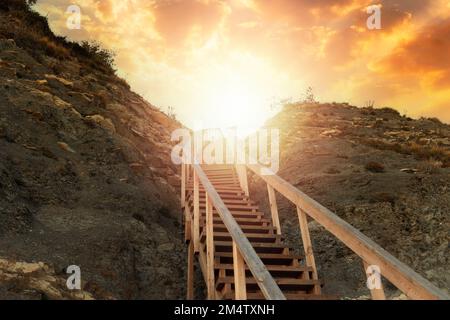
[
  {"x": 430, "y": 166},
  {"x": 31, "y": 32},
  {"x": 417, "y": 149}
]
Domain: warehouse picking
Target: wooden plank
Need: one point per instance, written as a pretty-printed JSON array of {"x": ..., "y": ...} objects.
[
  {"x": 196, "y": 214},
  {"x": 265, "y": 281},
  {"x": 377, "y": 293},
  {"x": 307, "y": 245},
  {"x": 187, "y": 224},
  {"x": 190, "y": 272},
  {"x": 274, "y": 208},
  {"x": 241, "y": 171},
  {"x": 188, "y": 173},
  {"x": 270, "y": 267},
  {"x": 210, "y": 251},
  {"x": 398, "y": 273},
  {"x": 183, "y": 184},
  {"x": 240, "y": 287}
]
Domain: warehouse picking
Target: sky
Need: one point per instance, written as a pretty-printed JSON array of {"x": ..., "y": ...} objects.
[{"x": 223, "y": 63}]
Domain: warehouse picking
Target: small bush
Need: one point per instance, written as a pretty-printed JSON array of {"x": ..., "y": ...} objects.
[
  {"x": 171, "y": 113},
  {"x": 375, "y": 167},
  {"x": 430, "y": 166},
  {"x": 94, "y": 51}
]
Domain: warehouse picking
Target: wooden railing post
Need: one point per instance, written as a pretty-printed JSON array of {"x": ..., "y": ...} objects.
[
  {"x": 188, "y": 172},
  {"x": 187, "y": 224},
  {"x": 274, "y": 208},
  {"x": 183, "y": 184},
  {"x": 242, "y": 175},
  {"x": 240, "y": 287},
  {"x": 307, "y": 245},
  {"x": 376, "y": 293},
  {"x": 196, "y": 214},
  {"x": 210, "y": 282},
  {"x": 190, "y": 272}
]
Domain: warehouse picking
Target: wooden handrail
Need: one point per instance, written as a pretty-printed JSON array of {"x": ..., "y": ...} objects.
[
  {"x": 263, "y": 278},
  {"x": 398, "y": 273}
]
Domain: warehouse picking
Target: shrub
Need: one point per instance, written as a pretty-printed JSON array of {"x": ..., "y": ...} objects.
[
  {"x": 430, "y": 166},
  {"x": 31, "y": 32},
  {"x": 94, "y": 51}
]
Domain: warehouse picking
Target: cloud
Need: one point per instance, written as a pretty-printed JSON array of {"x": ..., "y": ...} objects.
[
  {"x": 172, "y": 51},
  {"x": 427, "y": 54}
]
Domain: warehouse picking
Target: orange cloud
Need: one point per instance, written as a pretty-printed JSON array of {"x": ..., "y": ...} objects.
[
  {"x": 175, "y": 51},
  {"x": 427, "y": 53}
]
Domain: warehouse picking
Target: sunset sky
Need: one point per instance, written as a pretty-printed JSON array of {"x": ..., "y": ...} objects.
[{"x": 220, "y": 63}]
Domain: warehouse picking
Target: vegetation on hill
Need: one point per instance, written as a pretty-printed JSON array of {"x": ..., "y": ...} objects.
[{"x": 31, "y": 32}]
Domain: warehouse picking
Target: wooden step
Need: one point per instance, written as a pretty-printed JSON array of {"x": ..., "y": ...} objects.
[
  {"x": 224, "y": 175},
  {"x": 220, "y": 227},
  {"x": 279, "y": 271},
  {"x": 190, "y": 186},
  {"x": 237, "y": 214},
  {"x": 223, "y": 196},
  {"x": 267, "y": 258},
  {"x": 247, "y": 221},
  {"x": 228, "y": 201},
  {"x": 232, "y": 206},
  {"x": 260, "y": 247},
  {"x": 305, "y": 285},
  {"x": 252, "y": 237},
  {"x": 290, "y": 296}
]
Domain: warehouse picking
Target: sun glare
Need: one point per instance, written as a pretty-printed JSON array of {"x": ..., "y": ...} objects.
[{"x": 239, "y": 100}]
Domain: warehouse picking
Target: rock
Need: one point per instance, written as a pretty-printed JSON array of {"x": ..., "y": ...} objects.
[
  {"x": 66, "y": 147},
  {"x": 400, "y": 297},
  {"x": 331, "y": 133},
  {"x": 102, "y": 122},
  {"x": 41, "y": 82},
  {"x": 38, "y": 279},
  {"x": 52, "y": 78},
  {"x": 409, "y": 170}
]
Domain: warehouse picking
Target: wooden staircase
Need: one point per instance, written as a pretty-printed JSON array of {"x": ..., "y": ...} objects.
[
  {"x": 241, "y": 250},
  {"x": 295, "y": 278}
]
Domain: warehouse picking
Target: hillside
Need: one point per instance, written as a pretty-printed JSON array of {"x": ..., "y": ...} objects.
[
  {"x": 85, "y": 171},
  {"x": 386, "y": 174}
]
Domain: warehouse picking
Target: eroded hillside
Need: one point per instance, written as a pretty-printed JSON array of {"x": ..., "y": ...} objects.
[
  {"x": 386, "y": 174},
  {"x": 85, "y": 171}
]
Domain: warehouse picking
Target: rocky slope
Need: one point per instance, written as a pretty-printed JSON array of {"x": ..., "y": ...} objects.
[
  {"x": 85, "y": 170},
  {"x": 387, "y": 175}
]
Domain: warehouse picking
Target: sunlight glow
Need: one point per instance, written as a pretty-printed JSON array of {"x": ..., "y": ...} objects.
[{"x": 238, "y": 93}]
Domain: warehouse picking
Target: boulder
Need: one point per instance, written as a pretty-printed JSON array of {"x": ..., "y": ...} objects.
[{"x": 105, "y": 123}]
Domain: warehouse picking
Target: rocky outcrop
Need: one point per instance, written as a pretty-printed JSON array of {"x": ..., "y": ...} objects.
[{"x": 35, "y": 281}]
